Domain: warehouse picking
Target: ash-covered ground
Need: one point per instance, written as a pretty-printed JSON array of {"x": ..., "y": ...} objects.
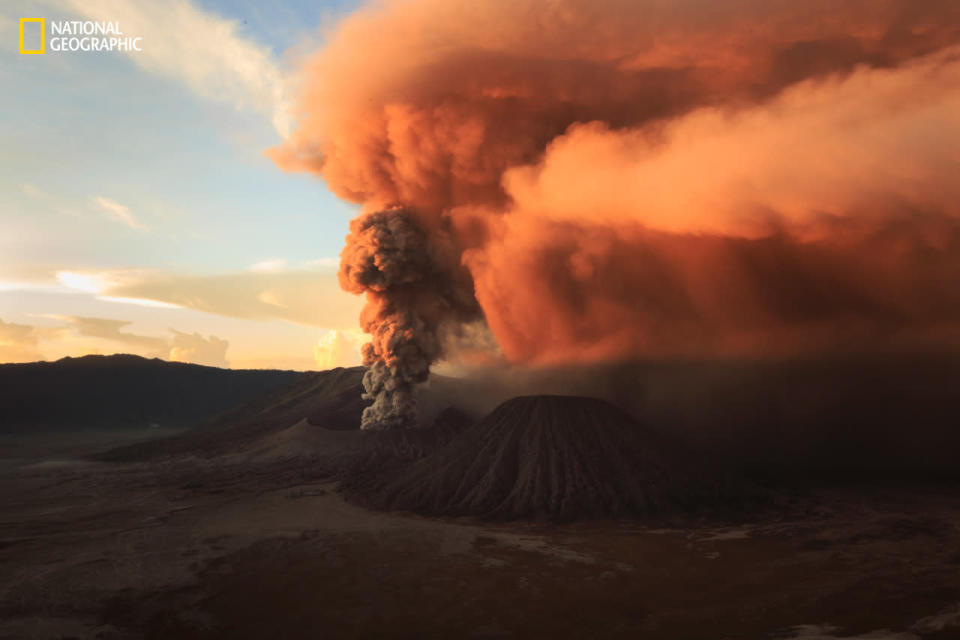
[
  {"x": 199, "y": 548},
  {"x": 549, "y": 516}
]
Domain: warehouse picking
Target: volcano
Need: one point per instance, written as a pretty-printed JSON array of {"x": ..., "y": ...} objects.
[{"x": 557, "y": 457}]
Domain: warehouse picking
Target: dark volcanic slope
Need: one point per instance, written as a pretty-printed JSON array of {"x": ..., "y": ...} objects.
[
  {"x": 328, "y": 400},
  {"x": 545, "y": 456},
  {"x": 110, "y": 392}
]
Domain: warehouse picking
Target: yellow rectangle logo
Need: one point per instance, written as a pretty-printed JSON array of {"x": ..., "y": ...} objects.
[{"x": 43, "y": 35}]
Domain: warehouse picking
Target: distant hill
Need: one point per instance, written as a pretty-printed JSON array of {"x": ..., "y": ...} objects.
[
  {"x": 326, "y": 400},
  {"x": 123, "y": 391}
]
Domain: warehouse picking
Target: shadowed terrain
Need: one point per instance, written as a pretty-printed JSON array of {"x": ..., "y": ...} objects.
[
  {"x": 239, "y": 527},
  {"x": 312, "y": 403},
  {"x": 122, "y": 392}
]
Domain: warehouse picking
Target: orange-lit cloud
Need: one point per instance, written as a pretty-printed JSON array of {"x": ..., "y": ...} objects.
[{"x": 622, "y": 178}]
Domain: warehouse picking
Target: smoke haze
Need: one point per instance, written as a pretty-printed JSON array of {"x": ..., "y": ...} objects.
[{"x": 627, "y": 179}]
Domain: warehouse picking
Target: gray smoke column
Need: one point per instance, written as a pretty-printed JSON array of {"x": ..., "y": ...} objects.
[{"x": 389, "y": 259}]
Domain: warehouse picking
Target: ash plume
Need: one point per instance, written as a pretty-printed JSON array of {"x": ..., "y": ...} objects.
[
  {"x": 388, "y": 258},
  {"x": 630, "y": 178}
]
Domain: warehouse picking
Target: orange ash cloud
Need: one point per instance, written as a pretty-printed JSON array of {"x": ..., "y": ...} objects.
[{"x": 627, "y": 178}]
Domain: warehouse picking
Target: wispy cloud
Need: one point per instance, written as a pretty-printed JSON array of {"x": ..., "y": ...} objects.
[
  {"x": 119, "y": 213},
  {"x": 178, "y": 346},
  {"x": 187, "y": 347},
  {"x": 140, "y": 302},
  {"x": 107, "y": 329},
  {"x": 18, "y": 343},
  {"x": 277, "y": 265},
  {"x": 202, "y": 51},
  {"x": 272, "y": 265},
  {"x": 324, "y": 263},
  {"x": 339, "y": 349},
  {"x": 77, "y": 281},
  {"x": 32, "y": 191},
  {"x": 96, "y": 283},
  {"x": 307, "y": 297}
]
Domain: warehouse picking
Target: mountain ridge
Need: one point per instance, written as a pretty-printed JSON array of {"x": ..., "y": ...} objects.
[{"x": 122, "y": 391}]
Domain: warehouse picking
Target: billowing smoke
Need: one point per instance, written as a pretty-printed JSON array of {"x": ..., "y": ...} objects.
[
  {"x": 607, "y": 179},
  {"x": 389, "y": 258}
]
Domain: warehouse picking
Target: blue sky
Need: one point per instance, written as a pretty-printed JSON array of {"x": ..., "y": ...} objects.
[{"x": 144, "y": 174}]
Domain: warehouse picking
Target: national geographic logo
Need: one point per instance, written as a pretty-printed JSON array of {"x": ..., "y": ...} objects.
[
  {"x": 67, "y": 36},
  {"x": 43, "y": 35}
]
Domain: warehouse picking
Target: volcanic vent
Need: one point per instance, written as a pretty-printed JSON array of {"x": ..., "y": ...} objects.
[{"x": 545, "y": 456}]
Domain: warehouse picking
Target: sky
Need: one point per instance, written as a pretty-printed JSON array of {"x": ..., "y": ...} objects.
[{"x": 138, "y": 212}]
